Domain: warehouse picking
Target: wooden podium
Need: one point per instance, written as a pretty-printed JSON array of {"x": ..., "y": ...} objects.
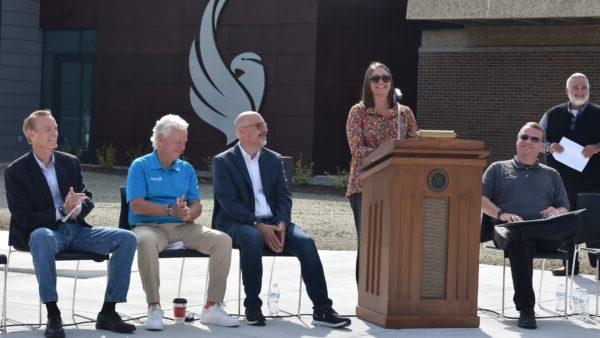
[{"x": 419, "y": 237}]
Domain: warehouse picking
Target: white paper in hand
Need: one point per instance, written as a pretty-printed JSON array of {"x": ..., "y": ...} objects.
[
  {"x": 571, "y": 155},
  {"x": 74, "y": 212}
]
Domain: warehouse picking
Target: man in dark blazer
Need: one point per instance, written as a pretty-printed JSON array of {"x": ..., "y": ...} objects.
[
  {"x": 253, "y": 205},
  {"x": 48, "y": 203}
]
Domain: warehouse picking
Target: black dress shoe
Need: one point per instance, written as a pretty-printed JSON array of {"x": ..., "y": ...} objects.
[
  {"x": 54, "y": 328},
  {"x": 112, "y": 322},
  {"x": 527, "y": 319},
  {"x": 561, "y": 271},
  {"x": 254, "y": 317}
]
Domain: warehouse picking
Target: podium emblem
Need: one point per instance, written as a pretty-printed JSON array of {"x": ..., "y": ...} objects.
[{"x": 437, "y": 180}]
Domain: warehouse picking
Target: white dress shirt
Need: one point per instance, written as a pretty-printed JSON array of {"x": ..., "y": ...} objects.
[
  {"x": 261, "y": 207},
  {"x": 50, "y": 175}
]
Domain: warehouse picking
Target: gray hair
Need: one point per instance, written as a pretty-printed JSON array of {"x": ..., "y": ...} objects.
[
  {"x": 165, "y": 125},
  {"x": 578, "y": 75}
]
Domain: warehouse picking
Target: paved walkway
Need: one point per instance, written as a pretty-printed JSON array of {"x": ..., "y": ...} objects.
[{"x": 339, "y": 267}]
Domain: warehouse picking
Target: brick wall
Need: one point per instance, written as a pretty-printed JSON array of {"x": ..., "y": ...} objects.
[{"x": 488, "y": 93}]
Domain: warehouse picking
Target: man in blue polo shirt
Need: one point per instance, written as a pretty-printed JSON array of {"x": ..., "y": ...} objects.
[{"x": 164, "y": 200}]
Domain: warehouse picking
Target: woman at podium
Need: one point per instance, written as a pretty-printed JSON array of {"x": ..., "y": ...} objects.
[{"x": 377, "y": 118}]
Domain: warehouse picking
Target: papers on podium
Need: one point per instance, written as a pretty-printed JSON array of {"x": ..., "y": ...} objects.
[
  {"x": 540, "y": 220},
  {"x": 571, "y": 155}
]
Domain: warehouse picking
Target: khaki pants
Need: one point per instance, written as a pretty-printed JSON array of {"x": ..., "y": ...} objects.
[{"x": 153, "y": 238}]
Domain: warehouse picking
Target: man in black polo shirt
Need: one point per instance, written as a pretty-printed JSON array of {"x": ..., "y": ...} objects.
[
  {"x": 578, "y": 120},
  {"x": 524, "y": 189}
]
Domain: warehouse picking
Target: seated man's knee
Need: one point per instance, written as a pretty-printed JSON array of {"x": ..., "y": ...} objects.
[
  {"x": 42, "y": 238},
  {"x": 129, "y": 239},
  {"x": 251, "y": 239},
  {"x": 146, "y": 241},
  {"x": 222, "y": 241}
]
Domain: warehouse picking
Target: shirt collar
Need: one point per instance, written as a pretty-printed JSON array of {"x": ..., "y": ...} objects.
[
  {"x": 155, "y": 163},
  {"x": 247, "y": 156},
  {"x": 371, "y": 111},
  {"x": 41, "y": 164},
  {"x": 520, "y": 166},
  {"x": 579, "y": 111}
]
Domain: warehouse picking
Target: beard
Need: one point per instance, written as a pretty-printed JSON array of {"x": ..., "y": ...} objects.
[{"x": 578, "y": 101}]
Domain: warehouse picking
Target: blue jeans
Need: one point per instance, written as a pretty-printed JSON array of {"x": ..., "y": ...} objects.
[
  {"x": 252, "y": 245},
  {"x": 45, "y": 243}
]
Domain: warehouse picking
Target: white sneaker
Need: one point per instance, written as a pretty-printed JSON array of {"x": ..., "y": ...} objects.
[
  {"x": 216, "y": 315},
  {"x": 154, "y": 322}
]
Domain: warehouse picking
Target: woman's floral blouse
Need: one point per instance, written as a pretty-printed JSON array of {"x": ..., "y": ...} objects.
[{"x": 366, "y": 130}]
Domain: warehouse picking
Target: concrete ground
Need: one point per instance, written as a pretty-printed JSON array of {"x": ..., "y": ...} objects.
[{"x": 339, "y": 269}]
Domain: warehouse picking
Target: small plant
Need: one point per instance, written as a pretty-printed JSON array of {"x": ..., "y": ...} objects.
[
  {"x": 107, "y": 156},
  {"x": 302, "y": 173},
  {"x": 134, "y": 153},
  {"x": 208, "y": 164},
  {"x": 341, "y": 178}
]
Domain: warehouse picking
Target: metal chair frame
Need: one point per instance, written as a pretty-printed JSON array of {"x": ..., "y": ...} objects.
[
  {"x": 590, "y": 232},
  {"x": 63, "y": 256},
  {"x": 274, "y": 255},
  {"x": 559, "y": 254}
]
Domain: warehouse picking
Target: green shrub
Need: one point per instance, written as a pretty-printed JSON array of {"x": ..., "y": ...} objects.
[
  {"x": 107, "y": 156},
  {"x": 138, "y": 151},
  {"x": 302, "y": 173},
  {"x": 341, "y": 178}
]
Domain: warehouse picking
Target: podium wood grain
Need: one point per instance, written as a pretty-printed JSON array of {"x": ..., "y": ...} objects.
[{"x": 419, "y": 256}]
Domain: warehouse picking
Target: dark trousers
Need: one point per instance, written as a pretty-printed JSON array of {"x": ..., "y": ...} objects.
[
  {"x": 356, "y": 204},
  {"x": 252, "y": 245},
  {"x": 528, "y": 240}
]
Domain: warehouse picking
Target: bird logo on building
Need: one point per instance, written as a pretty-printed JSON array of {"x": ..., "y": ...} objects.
[{"x": 220, "y": 93}]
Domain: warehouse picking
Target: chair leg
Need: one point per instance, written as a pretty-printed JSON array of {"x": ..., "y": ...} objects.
[
  {"x": 299, "y": 294},
  {"x": 539, "y": 298},
  {"x": 567, "y": 293},
  {"x": 4, "y": 293},
  {"x": 180, "y": 278},
  {"x": 240, "y": 286},
  {"x": 503, "y": 284},
  {"x": 74, "y": 293},
  {"x": 597, "y": 281},
  {"x": 271, "y": 279}
]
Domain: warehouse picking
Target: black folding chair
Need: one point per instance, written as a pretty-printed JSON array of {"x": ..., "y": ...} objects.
[
  {"x": 170, "y": 253},
  {"x": 487, "y": 231},
  {"x": 590, "y": 232}
]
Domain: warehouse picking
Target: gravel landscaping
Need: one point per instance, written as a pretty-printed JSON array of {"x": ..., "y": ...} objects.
[{"x": 324, "y": 213}]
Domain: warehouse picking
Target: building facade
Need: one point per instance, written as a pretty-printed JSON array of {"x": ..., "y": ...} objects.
[{"x": 110, "y": 68}]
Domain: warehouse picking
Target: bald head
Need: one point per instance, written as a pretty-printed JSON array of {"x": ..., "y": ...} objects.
[
  {"x": 244, "y": 119},
  {"x": 251, "y": 130}
]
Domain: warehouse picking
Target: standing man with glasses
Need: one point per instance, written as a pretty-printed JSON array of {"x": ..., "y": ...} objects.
[
  {"x": 578, "y": 120},
  {"x": 524, "y": 189}
]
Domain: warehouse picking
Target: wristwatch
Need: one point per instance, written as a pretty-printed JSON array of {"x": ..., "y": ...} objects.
[
  {"x": 170, "y": 210},
  {"x": 62, "y": 210},
  {"x": 500, "y": 212}
]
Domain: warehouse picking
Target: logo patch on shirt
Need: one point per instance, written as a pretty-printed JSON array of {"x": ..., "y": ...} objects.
[
  {"x": 158, "y": 179},
  {"x": 510, "y": 174}
]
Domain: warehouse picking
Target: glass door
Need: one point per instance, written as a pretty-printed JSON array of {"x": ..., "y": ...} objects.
[{"x": 72, "y": 102}]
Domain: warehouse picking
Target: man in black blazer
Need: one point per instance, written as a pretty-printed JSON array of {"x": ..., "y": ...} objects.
[
  {"x": 253, "y": 205},
  {"x": 48, "y": 202}
]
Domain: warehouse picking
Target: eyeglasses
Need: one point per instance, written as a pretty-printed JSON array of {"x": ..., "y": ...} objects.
[
  {"x": 384, "y": 78},
  {"x": 259, "y": 125},
  {"x": 525, "y": 137}
]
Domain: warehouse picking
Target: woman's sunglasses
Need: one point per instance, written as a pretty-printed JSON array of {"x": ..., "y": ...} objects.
[
  {"x": 384, "y": 78},
  {"x": 525, "y": 137}
]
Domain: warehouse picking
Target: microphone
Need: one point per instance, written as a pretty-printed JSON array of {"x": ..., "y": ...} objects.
[
  {"x": 397, "y": 95},
  {"x": 397, "y": 98}
]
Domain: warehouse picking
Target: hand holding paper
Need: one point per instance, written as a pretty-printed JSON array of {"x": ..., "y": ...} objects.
[{"x": 571, "y": 155}]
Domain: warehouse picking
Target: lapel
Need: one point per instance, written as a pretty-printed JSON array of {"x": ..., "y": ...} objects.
[
  {"x": 61, "y": 171},
  {"x": 263, "y": 167},
  {"x": 241, "y": 164},
  {"x": 36, "y": 175}
]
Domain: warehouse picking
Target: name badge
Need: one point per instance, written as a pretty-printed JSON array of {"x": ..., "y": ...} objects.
[{"x": 157, "y": 179}]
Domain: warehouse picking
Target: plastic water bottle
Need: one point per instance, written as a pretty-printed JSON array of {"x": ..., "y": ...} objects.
[
  {"x": 560, "y": 298},
  {"x": 273, "y": 300},
  {"x": 584, "y": 302}
]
